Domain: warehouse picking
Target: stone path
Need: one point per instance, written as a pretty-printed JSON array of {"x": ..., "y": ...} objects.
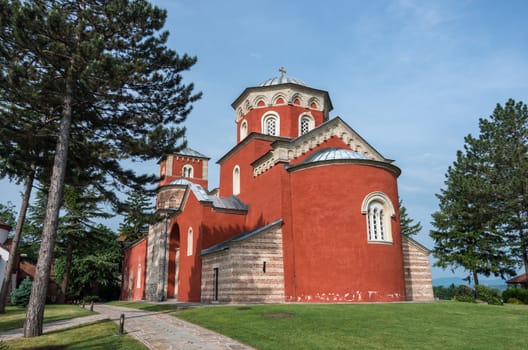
[{"x": 157, "y": 330}]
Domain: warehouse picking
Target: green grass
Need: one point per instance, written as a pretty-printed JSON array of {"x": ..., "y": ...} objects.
[
  {"x": 15, "y": 315},
  {"x": 146, "y": 306},
  {"x": 444, "y": 325},
  {"x": 100, "y": 335}
]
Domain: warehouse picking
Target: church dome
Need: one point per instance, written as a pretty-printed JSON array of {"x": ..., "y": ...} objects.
[
  {"x": 333, "y": 154},
  {"x": 282, "y": 79}
]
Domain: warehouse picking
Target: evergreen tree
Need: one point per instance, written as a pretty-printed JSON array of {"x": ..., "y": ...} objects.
[
  {"x": 7, "y": 213},
  {"x": 465, "y": 231},
  {"x": 138, "y": 216},
  {"x": 118, "y": 92},
  {"x": 505, "y": 134},
  {"x": 407, "y": 225}
]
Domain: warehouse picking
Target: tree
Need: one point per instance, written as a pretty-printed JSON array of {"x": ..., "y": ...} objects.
[
  {"x": 408, "y": 227},
  {"x": 119, "y": 94},
  {"x": 138, "y": 216},
  {"x": 472, "y": 225},
  {"x": 96, "y": 266},
  {"x": 505, "y": 134},
  {"x": 7, "y": 214}
]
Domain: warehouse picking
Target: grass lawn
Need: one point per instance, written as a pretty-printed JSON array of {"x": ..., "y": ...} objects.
[
  {"x": 100, "y": 335},
  {"x": 146, "y": 306},
  {"x": 15, "y": 315},
  {"x": 442, "y": 325}
]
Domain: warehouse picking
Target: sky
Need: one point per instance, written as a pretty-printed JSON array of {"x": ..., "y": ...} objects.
[{"x": 412, "y": 77}]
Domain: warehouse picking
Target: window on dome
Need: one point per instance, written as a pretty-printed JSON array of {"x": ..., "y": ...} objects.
[
  {"x": 236, "y": 180},
  {"x": 270, "y": 125},
  {"x": 378, "y": 210},
  {"x": 306, "y": 124},
  {"x": 187, "y": 170},
  {"x": 190, "y": 242},
  {"x": 243, "y": 130}
]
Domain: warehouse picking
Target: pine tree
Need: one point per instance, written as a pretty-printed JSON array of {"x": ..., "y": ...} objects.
[
  {"x": 114, "y": 92},
  {"x": 464, "y": 231},
  {"x": 505, "y": 134},
  {"x": 408, "y": 227},
  {"x": 138, "y": 216}
]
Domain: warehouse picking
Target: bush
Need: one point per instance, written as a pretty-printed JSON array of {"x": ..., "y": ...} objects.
[
  {"x": 486, "y": 294},
  {"x": 444, "y": 293},
  {"x": 20, "y": 296},
  {"x": 465, "y": 298},
  {"x": 90, "y": 298},
  {"x": 495, "y": 301},
  {"x": 514, "y": 301},
  {"x": 464, "y": 290},
  {"x": 517, "y": 293}
]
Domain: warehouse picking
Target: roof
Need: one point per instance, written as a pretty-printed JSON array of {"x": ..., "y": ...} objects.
[
  {"x": 229, "y": 203},
  {"x": 225, "y": 244},
  {"x": 282, "y": 79},
  {"x": 332, "y": 153},
  {"x": 5, "y": 226},
  {"x": 517, "y": 279},
  {"x": 191, "y": 153}
]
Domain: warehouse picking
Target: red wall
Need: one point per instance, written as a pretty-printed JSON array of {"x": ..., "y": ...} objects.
[
  {"x": 134, "y": 256},
  {"x": 330, "y": 257}
]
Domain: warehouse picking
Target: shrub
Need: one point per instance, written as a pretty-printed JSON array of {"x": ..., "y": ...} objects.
[
  {"x": 20, "y": 296},
  {"x": 444, "y": 293},
  {"x": 90, "y": 298},
  {"x": 3, "y": 345},
  {"x": 517, "y": 293},
  {"x": 465, "y": 298},
  {"x": 464, "y": 290},
  {"x": 514, "y": 301},
  {"x": 485, "y": 293},
  {"x": 495, "y": 301}
]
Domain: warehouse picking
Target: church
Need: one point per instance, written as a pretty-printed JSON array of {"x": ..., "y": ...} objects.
[{"x": 306, "y": 211}]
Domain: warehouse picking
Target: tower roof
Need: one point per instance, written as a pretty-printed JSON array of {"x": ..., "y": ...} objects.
[
  {"x": 282, "y": 79},
  {"x": 191, "y": 153}
]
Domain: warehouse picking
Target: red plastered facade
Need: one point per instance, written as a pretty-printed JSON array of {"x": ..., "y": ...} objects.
[{"x": 336, "y": 195}]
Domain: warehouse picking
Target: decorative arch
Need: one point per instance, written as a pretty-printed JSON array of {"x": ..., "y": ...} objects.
[
  {"x": 378, "y": 210},
  {"x": 271, "y": 124},
  {"x": 313, "y": 103},
  {"x": 236, "y": 180},
  {"x": 279, "y": 99}
]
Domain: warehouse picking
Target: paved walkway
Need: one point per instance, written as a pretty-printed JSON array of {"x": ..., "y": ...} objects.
[{"x": 157, "y": 330}]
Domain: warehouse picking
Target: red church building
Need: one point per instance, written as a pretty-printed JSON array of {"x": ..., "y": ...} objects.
[{"x": 306, "y": 211}]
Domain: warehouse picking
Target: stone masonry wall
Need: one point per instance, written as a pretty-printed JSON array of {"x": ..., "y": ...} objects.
[
  {"x": 153, "y": 279},
  {"x": 418, "y": 281},
  {"x": 250, "y": 271}
]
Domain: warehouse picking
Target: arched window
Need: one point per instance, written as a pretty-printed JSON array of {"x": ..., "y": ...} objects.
[
  {"x": 188, "y": 170},
  {"x": 378, "y": 210},
  {"x": 236, "y": 180},
  {"x": 306, "y": 123},
  {"x": 271, "y": 125},
  {"x": 190, "y": 242},
  {"x": 243, "y": 130}
]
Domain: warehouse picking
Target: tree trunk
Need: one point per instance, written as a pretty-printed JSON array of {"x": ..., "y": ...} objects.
[
  {"x": 16, "y": 238},
  {"x": 475, "y": 278},
  {"x": 35, "y": 309},
  {"x": 66, "y": 273}
]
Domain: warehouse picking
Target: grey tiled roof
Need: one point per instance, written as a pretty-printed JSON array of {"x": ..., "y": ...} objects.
[
  {"x": 333, "y": 154},
  {"x": 231, "y": 203},
  {"x": 225, "y": 244},
  {"x": 191, "y": 153}
]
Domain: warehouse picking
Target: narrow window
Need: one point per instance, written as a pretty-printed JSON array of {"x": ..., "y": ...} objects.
[
  {"x": 236, "y": 180},
  {"x": 378, "y": 209},
  {"x": 138, "y": 284},
  {"x": 270, "y": 125},
  {"x": 190, "y": 242},
  {"x": 264, "y": 267},
  {"x": 188, "y": 170},
  {"x": 215, "y": 284},
  {"x": 306, "y": 124},
  {"x": 243, "y": 130}
]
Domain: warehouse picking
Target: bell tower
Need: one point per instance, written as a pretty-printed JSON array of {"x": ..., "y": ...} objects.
[
  {"x": 282, "y": 106},
  {"x": 187, "y": 164}
]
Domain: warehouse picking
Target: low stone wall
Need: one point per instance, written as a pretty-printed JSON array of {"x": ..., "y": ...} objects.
[
  {"x": 417, "y": 268},
  {"x": 249, "y": 271}
]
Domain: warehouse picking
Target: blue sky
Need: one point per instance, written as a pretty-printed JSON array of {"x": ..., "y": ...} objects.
[{"x": 412, "y": 77}]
